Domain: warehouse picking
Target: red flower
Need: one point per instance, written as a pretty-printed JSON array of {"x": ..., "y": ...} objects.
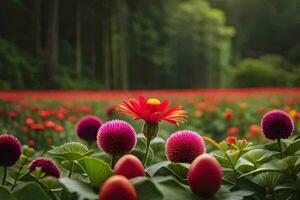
[
  {"x": 231, "y": 140},
  {"x": 35, "y": 108},
  {"x": 153, "y": 111},
  {"x": 29, "y": 121},
  {"x": 254, "y": 130},
  {"x": 31, "y": 143},
  {"x": 58, "y": 129},
  {"x": 60, "y": 116},
  {"x": 297, "y": 115},
  {"x": 38, "y": 127},
  {"x": 49, "y": 124},
  {"x": 228, "y": 114},
  {"x": 73, "y": 119},
  {"x": 24, "y": 130},
  {"x": 233, "y": 131},
  {"x": 12, "y": 114},
  {"x": 44, "y": 114}
]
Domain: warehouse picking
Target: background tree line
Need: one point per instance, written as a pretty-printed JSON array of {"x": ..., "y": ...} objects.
[{"x": 132, "y": 44}]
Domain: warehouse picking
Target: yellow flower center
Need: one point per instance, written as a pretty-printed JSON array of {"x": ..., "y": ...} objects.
[{"x": 153, "y": 101}]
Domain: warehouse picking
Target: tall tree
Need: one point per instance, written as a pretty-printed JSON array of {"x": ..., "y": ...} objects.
[
  {"x": 52, "y": 57},
  {"x": 78, "y": 40},
  {"x": 38, "y": 27},
  {"x": 106, "y": 43}
]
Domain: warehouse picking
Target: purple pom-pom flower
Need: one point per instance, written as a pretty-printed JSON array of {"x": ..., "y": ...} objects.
[
  {"x": 87, "y": 128},
  {"x": 10, "y": 150},
  {"x": 48, "y": 167},
  {"x": 184, "y": 146},
  {"x": 277, "y": 124},
  {"x": 116, "y": 136}
]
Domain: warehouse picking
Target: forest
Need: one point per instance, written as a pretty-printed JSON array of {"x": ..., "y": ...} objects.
[{"x": 131, "y": 44}]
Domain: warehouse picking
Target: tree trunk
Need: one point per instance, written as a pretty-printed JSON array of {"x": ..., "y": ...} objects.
[
  {"x": 52, "y": 42},
  {"x": 93, "y": 40},
  {"x": 106, "y": 44},
  {"x": 114, "y": 53},
  {"x": 38, "y": 28},
  {"x": 123, "y": 46},
  {"x": 78, "y": 40}
]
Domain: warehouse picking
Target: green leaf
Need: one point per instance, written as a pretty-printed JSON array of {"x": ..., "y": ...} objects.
[
  {"x": 71, "y": 151},
  {"x": 292, "y": 148},
  {"x": 225, "y": 194},
  {"x": 140, "y": 154},
  {"x": 151, "y": 170},
  {"x": 174, "y": 190},
  {"x": 97, "y": 170},
  {"x": 77, "y": 190},
  {"x": 5, "y": 194},
  {"x": 268, "y": 167},
  {"x": 31, "y": 190},
  {"x": 223, "y": 161},
  {"x": 244, "y": 165},
  {"x": 257, "y": 156},
  {"x": 146, "y": 189},
  {"x": 268, "y": 179}
]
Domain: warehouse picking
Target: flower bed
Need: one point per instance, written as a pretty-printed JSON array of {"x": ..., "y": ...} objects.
[{"x": 232, "y": 145}]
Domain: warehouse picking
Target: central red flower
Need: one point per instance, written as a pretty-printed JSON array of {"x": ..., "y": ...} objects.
[{"x": 153, "y": 111}]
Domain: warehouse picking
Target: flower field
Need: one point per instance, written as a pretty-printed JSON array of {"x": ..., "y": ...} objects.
[{"x": 189, "y": 144}]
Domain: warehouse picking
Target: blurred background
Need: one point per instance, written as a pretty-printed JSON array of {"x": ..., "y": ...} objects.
[{"x": 149, "y": 44}]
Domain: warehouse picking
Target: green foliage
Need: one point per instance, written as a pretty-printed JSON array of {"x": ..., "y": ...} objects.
[
  {"x": 31, "y": 190},
  {"x": 97, "y": 170},
  {"x": 265, "y": 71},
  {"x": 18, "y": 70},
  {"x": 70, "y": 151}
]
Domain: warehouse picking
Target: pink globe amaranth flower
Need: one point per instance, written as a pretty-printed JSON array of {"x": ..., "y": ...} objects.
[
  {"x": 117, "y": 188},
  {"x": 277, "y": 124},
  {"x": 48, "y": 167},
  {"x": 10, "y": 150},
  {"x": 205, "y": 175},
  {"x": 184, "y": 146},
  {"x": 87, "y": 128},
  {"x": 116, "y": 136}
]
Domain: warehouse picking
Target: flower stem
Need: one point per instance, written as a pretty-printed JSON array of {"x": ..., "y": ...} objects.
[
  {"x": 18, "y": 174},
  {"x": 113, "y": 161},
  {"x": 234, "y": 171},
  {"x": 4, "y": 175},
  {"x": 280, "y": 149},
  {"x": 147, "y": 152},
  {"x": 71, "y": 169}
]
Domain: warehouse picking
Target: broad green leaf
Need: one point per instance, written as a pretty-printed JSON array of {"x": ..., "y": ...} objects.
[
  {"x": 71, "y": 151},
  {"x": 31, "y": 190},
  {"x": 268, "y": 167},
  {"x": 257, "y": 156},
  {"x": 223, "y": 161},
  {"x": 244, "y": 165},
  {"x": 234, "y": 156},
  {"x": 177, "y": 170},
  {"x": 174, "y": 190},
  {"x": 151, "y": 170},
  {"x": 5, "y": 194},
  {"x": 224, "y": 194},
  {"x": 292, "y": 148},
  {"x": 289, "y": 166},
  {"x": 77, "y": 190},
  {"x": 140, "y": 154},
  {"x": 268, "y": 179},
  {"x": 97, "y": 170},
  {"x": 146, "y": 189}
]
